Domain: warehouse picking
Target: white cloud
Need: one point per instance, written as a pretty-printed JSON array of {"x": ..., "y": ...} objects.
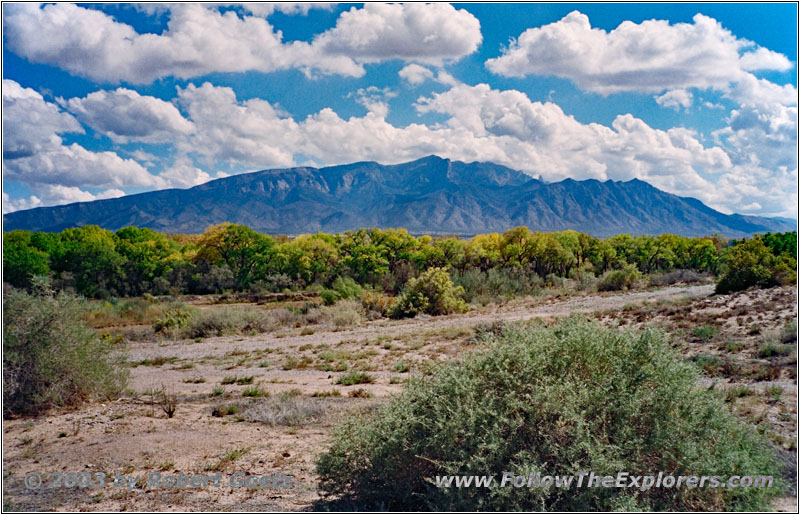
[
  {"x": 430, "y": 33},
  {"x": 54, "y": 195},
  {"x": 264, "y": 9},
  {"x": 649, "y": 57},
  {"x": 30, "y": 124},
  {"x": 752, "y": 91},
  {"x": 123, "y": 115},
  {"x": 675, "y": 99},
  {"x": 374, "y": 99},
  {"x": 415, "y": 74},
  {"x": 765, "y": 59},
  {"x": 200, "y": 39},
  {"x": 73, "y": 165},
  {"x": 183, "y": 174},
  {"x": 33, "y": 152},
  {"x": 250, "y": 133}
]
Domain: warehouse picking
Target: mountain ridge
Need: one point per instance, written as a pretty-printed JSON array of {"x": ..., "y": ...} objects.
[{"x": 429, "y": 195}]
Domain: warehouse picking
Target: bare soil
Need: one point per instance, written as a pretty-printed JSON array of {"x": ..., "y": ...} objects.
[{"x": 286, "y": 400}]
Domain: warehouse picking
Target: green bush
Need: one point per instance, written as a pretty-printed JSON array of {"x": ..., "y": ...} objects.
[
  {"x": 750, "y": 263},
  {"x": 345, "y": 313},
  {"x": 433, "y": 293},
  {"x": 562, "y": 400},
  {"x": 236, "y": 320},
  {"x": 623, "y": 279},
  {"x": 497, "y": 284},
  {"x": 342, "y": 288},
  {"x": 50, "y": 357}
]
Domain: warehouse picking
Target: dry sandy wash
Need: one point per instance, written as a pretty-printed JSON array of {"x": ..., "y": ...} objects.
[{"x": 267, "y": 404}]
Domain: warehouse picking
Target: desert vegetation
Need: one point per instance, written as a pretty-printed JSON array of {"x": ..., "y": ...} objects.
[
  {"x": 98, "y": 263},
  {"x": 170, "y": 343},
  {"x": 561, "y": 400}
]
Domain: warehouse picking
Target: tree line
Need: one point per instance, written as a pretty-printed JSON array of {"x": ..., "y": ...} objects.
[{"x": 132, "y": 261}]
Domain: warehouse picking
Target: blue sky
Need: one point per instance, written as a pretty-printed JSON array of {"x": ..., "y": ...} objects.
[{"x": 102, "y": 100}]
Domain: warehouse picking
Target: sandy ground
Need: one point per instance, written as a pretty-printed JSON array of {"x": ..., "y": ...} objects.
[{"x": 298, "y": 367}]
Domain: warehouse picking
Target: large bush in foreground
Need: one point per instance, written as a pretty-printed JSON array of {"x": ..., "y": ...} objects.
[
  {"x": 50, "y": 357},
  {"x": 433, "y": 293},
  {"x": 562, "y": 400}
]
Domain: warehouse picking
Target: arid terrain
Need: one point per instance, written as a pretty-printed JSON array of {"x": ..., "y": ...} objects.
[{"x": 267, "y": 403}]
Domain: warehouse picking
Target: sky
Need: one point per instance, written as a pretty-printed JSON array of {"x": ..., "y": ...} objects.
[{"x": 103, "y": 100}]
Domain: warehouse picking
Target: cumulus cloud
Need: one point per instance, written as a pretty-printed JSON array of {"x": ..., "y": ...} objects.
[
  {"x": 430, "y": 33},
  {"x": 200, "y": 39},
  {"x": 292, "y": 8},
  {"x": 648, "y": 57},
  {"x": 54, "y": 195},
  {"x": 753, "y": 160},
  {"x": 34, "y": 153},
  {"x": 30, "y": 124},
  {"x": 675, "y": 99},
  {"x": 415, "y": 74},
  {"x": 250, "y": 133},
  {"x": 124, "y": 114}
]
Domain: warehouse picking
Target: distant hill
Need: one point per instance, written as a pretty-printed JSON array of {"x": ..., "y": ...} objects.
[{"x": 431, "y": 195}]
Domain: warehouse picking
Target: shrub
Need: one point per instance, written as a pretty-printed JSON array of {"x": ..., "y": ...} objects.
[
  {"x": 705, "y": 332},
  {"x": 286, "y": 410},
  {"x": 622, "y": 279},
  {"x": 344, "y": 313},
  {"x": 675, "y": 277},
  {"x": 497, "y": 284},
  {"x": 751, "y": 264},
  {"x": 236, "y": 320},
  {"x": 355, "y": 377},
  {"x": 562, "y": 400},
  {"x": 376, "y": 302},
  {"x": 50, "y": 357},
  {"x": 172, "y": 319},
  {"x": 342, "y": 288},
  {"x": 433, "y": 293}
]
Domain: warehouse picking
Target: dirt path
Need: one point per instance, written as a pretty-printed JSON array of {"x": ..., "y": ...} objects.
[{"x": 515, "y": 311}]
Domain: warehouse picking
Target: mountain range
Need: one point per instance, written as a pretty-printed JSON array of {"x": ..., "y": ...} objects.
[{"x": 427, "y": 196}]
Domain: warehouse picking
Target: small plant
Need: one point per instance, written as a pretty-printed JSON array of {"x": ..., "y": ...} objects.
[
  {"x": 774, "y": 392},
  {"x": 167, "y": 401},
  {"x": 770, "y": 349},
  {"x": 237, "y": 380},
  {"x": 225, "y": 409},
  {"x": 292, "y": 362},
  {"x": 737, "y": 392},
  {"x": 355, "y": 377},
  {"x": 361, "y": 393},
  {"x": 753, "y": 330},
  {"x": 195, "y": 380},
  {"x": 167, "y": 465},
  {"x": 710, "y": 364},
  {"x": 401, "y": 366},
  {"x": 334, "y": 392},
  {"x": 254, "y": 391},
  {"x": 734, "y": 346},
  {"x": 217, "y": 391},
  {"x": 704, "y": 332}
]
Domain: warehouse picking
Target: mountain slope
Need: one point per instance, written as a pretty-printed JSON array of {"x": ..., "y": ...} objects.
[{"x": 430, "y": 195}]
